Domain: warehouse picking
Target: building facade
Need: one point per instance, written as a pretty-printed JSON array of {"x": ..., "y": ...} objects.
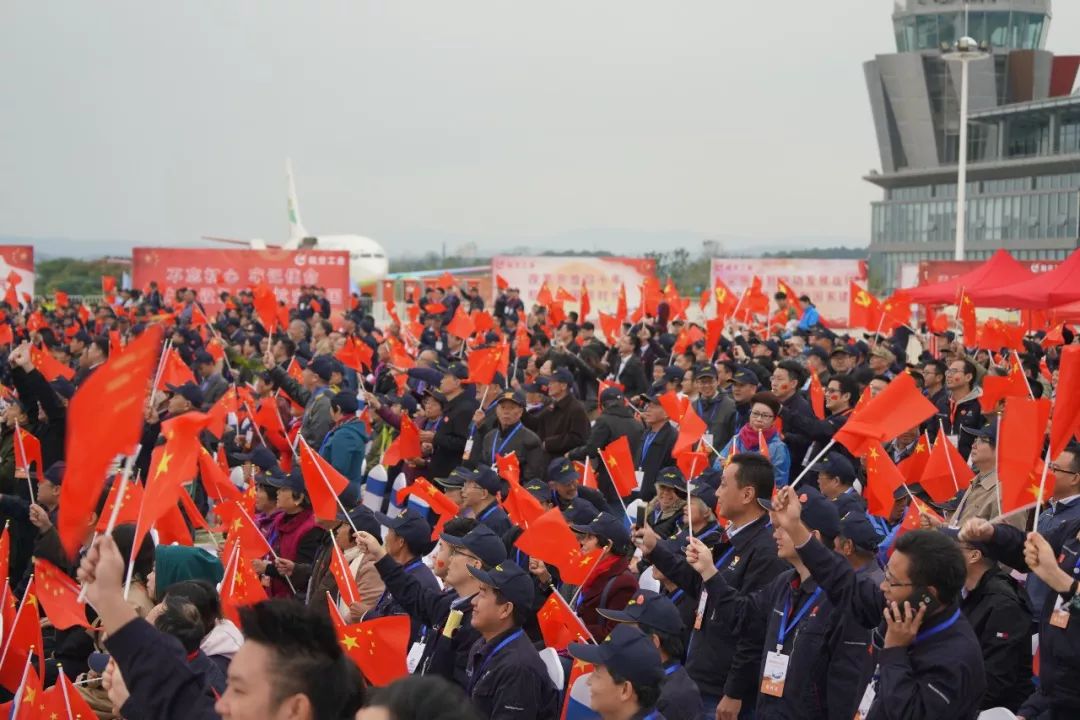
[{"x": 1023, "y": 190}]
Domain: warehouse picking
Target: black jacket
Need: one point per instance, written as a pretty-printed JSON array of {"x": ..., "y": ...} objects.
[
  {"x": 798, "y": 443},
  {"x": 507, "y": 679},
  {"x": 388, "y": 605},
  {"x": 562, "y": 427},
  {"x": 522, "y": 441},
  {"x": 939, "y": 678},
  {"x": 653, "y": 456},
  {"x": 829, "y": 662},
  {"x": 443, "y": 656},
  {"x": 616, "y": 421},
  {"x": 717, "y": 414},
  {"x": 632, "y": 377},
  {"x": 679, "y": 695},
  {"x": 748, "y": 562},
  {"x": 495, "y": 518},
  {"x": 451, "y": 436},
  {"x": 956, "y": 417},
  {"x": 34, "y": 392},
  {"x": 818, "y": 432},
  {"x": 1000, "y": 614},
  {"x": 1059, "y": 648}
]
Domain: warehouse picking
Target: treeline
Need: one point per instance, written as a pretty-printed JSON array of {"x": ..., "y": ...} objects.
[{"x": 74, "y": 276}]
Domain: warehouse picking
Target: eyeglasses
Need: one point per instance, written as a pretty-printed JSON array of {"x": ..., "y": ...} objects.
[
  {"x": 891, "y": 579},
  {"x": 954, "y": 371},
  {"x": 1063, "y": 471},
  {"x": 455, "y": 550},
  {"x": 832, "y": 391},
  {"x": 762, "y": 416}
]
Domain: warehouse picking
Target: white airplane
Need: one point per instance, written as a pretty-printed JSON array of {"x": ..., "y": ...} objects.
[{"x": 367, "y": 258}]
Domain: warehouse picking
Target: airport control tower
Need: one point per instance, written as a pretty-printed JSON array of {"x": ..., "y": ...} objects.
[{"x": 1023, "y": 181}]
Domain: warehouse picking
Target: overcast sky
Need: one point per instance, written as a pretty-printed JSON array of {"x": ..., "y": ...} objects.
[{"x": 621, "y": 124}]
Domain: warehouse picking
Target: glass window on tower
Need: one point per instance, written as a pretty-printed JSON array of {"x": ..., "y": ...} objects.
[
  {"x": 928, "y": 31},
  {"x": 997, "y": 29}
]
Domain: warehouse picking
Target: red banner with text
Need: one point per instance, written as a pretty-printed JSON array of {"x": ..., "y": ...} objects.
[{"x": 209, "y": 272}]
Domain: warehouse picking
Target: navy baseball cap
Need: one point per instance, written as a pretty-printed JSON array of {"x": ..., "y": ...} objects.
[
  {"x": 538, "y": 490},
  {"x": 606, "y": 527},
  {"x": 671, "y": 477},
  {"x": 455, "y": 480},
  {"x": 63, "y": 387},
  {"x": 626, "y": 652},
  {"x": 321, "y": 365},
  {"x": 562, "y": 375},
  {"x": 562, "y": 471},
  {"x": 345, "y": 402},
  {"x": 648, "y": 608},
  {"x": 188, "y": 391},
  {"x": 261, "y": 457},
  {"x": 818, "y": 512},
  {"x": 706, "y": 493},
  {"x": 203, "y": 358},
  {"x": 413, "y": 529},
  {"x": 482, "y": 475},
  {"x": 857, "y": 528},
  {"x": 481, "y": 542},
  {"x": 842, "y": 349},
  {"x": 512, "y": 396},
  {"x": 362, "y": 518},
  {"x": 703, "y": 371},
  {"x": 293, "y": 481},
  {"x": 745, "y": 376},
  {"x": 579, "y": 512},
  {"x": 457, "y": 370},
  {"x": 55, "y": 472},
  {"x": 510, "y": 580},
  {"x": 438, "y": 396},
  {"x": 818, "y": 352},
  {"x": 674, "y": 373},
  {"x": 612, "y": 395},
  {"x": 987, "y": 432},
  {"x": 837, "y": 465}
]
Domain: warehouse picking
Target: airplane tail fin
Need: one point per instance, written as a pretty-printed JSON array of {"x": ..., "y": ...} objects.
[{"x": 297, "y": 231}]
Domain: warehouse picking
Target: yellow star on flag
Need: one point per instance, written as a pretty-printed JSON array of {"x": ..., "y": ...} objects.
[
  {"x": 350, "y": 642},
  {"x": 163, "y": 464}
]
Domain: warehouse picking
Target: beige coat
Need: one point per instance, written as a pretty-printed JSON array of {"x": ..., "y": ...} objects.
[{"x": 981, "y": 501}]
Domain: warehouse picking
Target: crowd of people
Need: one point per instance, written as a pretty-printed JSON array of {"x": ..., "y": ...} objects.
[{"x": 743, "y": 575}]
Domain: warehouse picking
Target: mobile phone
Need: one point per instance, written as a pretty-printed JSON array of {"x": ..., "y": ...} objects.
[
  {"x": 920, "y": 595},
  {"x": 641, "y": 516}
]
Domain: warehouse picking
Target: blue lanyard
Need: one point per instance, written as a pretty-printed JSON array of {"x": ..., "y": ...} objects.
[
  {"x": 715, "y": 409},
  {"x": 496, "y": 448},
  {"x": 785, "y": 629},
  {"x": 487, "y": 659},
  {"x": 650, "y": 437},
  {"x": 707, "y": 533},
  {"x": 436, "y": 426},
  {"x": 413, "y": 565},
  {"x": 484, "y": 515},
  {"x": 386, "y": 593},
  {"x": 940, "y": 628},
  {"x": 673, "y": 668},
  {"x": 725, "y": 557},
  {"x": 651, "y": 716},
  {"x": 677, "y": 596}
]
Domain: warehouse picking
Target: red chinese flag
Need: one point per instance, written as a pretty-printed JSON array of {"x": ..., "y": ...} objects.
[
  {"x": 691, "y": 428},
  {"x": 62, "y": 701},
  {"x": 215, "y": 481},
  {"x": 864, "y": 310},
  {"x": 559, "y": 626},
  {"x": 24, "y": 633},
  {"x": 483, "y": 364},
  {"x": 378, "y": 647},
  {"x": 241, "y": 529},
  {"x": 266, "y": 306},
  {"x": 104, "y": 419},
  {"x": 7, "y": 336},
  {"x": 172, "y": 465},
  {"x": 482, "y": 321},
  {"x": 500, "y": 282},
  {"x": 714, "y": 330},
  {"x": 446, "y": 281},
  {"x": 129, "y": 505},
  {"x": 441, "y": 505},
  {"x": 521, "y": 341},
  {"x": 946, "y": 473},
  {"x": 1020, "y": 445},
  {"x": 27, "y": 451},
  {"x": 609, "y": 325},
  {"x": 11, "y": 297},
  {"x": 899, "y": 407},
  {"x": 692, "y": 463},
  {"x": 509, "y": 468},
  {"x": 174, "y": 371},
  {"x": 913, "y": 465},
  {"x": 620, "y": 464},
  {"x": 108, "y": 284},
  {"x": 586, "y": 305},
  {"x": 240, "y": 587},
  {"x": 998, "y": 387},
  {"x": 409, "y": 438},
  {"x": 323, "y": 482},
  {"x": 674, "y": 405},
  {"x": 620, "y": 307},
  {"x": 343, "y": 576},
  {"x": 59, "y": 596},
  {"x": 543, "y": 295},
  {"x": 61, "y": 299},
  {"x": 564, "y": 295},
  {"x": 966, "y": 312},
  {"x": 882, "y": 480},
  {"x": 550, "y": 539},
  {"x": 48, "y": 366},
  {"x": 461, "y": 325},
  {"x": 817, "y": 396},
  {"x": 725, "y": 300},
  {"x": 521, "y": 506},
  {"x": 1066, "y": 422},
  {"x": 792, "y": 296},
  {"x": 355, "y": 354},
  {"x": 5, "y": 557}
]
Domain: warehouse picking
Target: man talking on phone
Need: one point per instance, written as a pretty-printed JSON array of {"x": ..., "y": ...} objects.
[{"x": 929, "y": 663}]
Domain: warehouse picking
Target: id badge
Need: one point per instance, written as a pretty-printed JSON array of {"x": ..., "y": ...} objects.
[
  {"x": 468, "y": 449},
  {"x": 707, "y": 437},
  {"x": 772, "y": 682},
  {"x": 639, "y": 476},
  {"x": 867, "y": 700},
  {"x": 1059, "y": 618},
  {"x": 415, "y": 653},
  {"x": 438, "y": 345},
  {"x": 699, "y": 614}
]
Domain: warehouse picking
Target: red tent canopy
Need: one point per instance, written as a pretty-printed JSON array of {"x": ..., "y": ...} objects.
[
  {"x": 1000, "y": 270},
  {"x": 1060, "y": 286}
]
